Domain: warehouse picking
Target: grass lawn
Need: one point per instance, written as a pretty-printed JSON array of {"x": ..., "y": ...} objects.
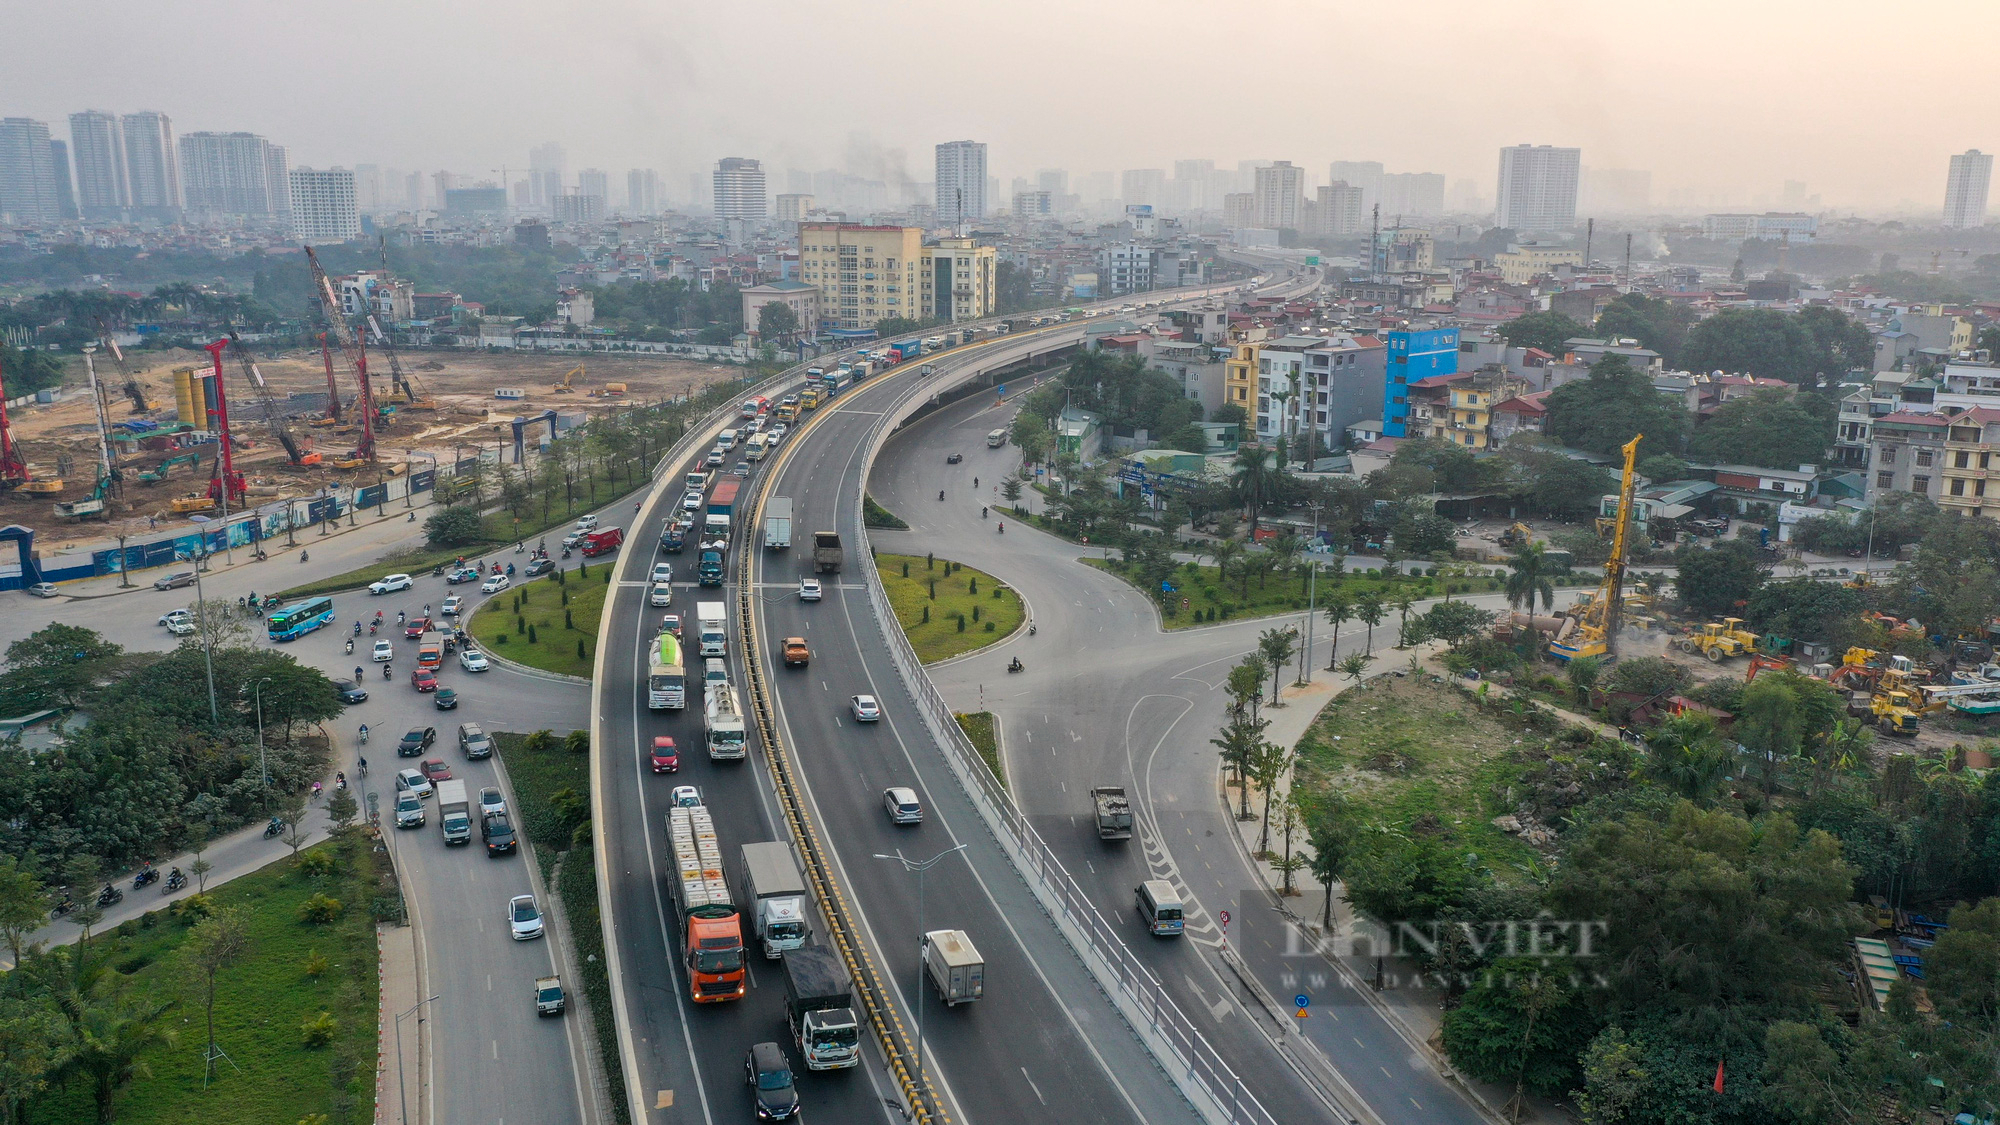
[
  {"x": 978, "y": 726},
  {"x": 1210, "y": 599},
  {"x": 558, "y": 628},
  {"x": 1409, "y": 752},
  {"x": 935, "y": 602},
  {"x": 261, "y": 1003},
  {"x": 550, "y": 816}
]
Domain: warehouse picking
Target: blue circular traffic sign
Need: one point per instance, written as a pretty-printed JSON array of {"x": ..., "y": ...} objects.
[{"x": 1302, "y": 1001}]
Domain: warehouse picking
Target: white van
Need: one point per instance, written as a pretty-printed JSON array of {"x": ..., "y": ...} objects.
[
  {"x": 1160, "y": 908},
  {"x": 996, "y": 438},
  {"x": 727, "y": 439}
]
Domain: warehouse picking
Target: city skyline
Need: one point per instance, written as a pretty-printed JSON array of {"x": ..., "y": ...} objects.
[{"x": 1734, "y": 130}]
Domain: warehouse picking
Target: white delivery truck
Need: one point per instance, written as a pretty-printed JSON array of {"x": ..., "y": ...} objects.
[
  {"x": 778, "y": 523},
  {"x": 956, "y": 969},
  {"x": 776, "y": 897},
  {"x": 454, "y": 814},
  {"x": 712, "y": 619}
]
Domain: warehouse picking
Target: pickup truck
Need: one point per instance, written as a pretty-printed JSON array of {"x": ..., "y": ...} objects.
[
  {"x": 797, "y": 655},
  {"x": 549, "y": 998}
]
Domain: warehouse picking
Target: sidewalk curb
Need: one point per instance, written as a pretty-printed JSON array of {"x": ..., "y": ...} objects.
[{"x": 533, "y": 673}]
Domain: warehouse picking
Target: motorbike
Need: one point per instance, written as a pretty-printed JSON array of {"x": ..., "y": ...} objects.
[
  {"x": 510, "y": 570},
  {"x": 357, "y": 628},
  {"x": 259, "y": 556},
  {"x": 437, "y": 571},
  {"x": 305, "y": 556},
  {"x": 372, "y": 626},
  {"x": 62, "y": 907},
  {"x": 146, "y": 877},
  {"x": 1031, "y": 628},
  {"x": 174, "y": 883},
  {"x": 364, "y": 734},
  {"x": 110, "y": 895},
  {"x": 1014, "y": 665},
  {"x": 276, "y": 826},
  {"x": 387, "y": 674},
  {"x": 1002, "y": 528},
  {"x": 350, "y": 644}
]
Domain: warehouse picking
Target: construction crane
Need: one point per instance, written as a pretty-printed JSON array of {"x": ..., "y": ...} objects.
[
  {"x": 13, "y": 470},
  {"x": 403, "y": 383},
  {"x": 332, "y": 387},
  {"x": 133, "y": 389},
  {"x": 1597, "y": 631},
  {"x": 273, "y": 417},
  {"x": 352, "y": 350},
  {"x": 227, "y": 485},
  {"x": 105, "y": 471}
]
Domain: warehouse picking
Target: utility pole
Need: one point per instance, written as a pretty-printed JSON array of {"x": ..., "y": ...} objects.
[
  {"x": 263, "y": 766},
  {"x": 923, "y": 941},
  {"x": 1628, "y": 261},
  {"x": 1589, "y": 232},
  {"x": 1312, "y": 596}
]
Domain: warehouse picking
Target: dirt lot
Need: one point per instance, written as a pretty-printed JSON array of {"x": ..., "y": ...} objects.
[{"x": 61, "y": 439}]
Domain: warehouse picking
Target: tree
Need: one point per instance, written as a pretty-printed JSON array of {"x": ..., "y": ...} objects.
[
  {"x": 1805, "y": 1079},
  {"x": 1267, "y": 768},
  {"x": 1582, "y": 673},
  {"x": 1603, "y": 412},
  {"x": 1421, "y": 535},
  {"x": 1614, "y": 1077},
  {"x": 1369, "y": 610},
  {"x": 896, "y": 326},
  {"x": 1276, "y": 646},
  {"x": 1762, "y": 342},
  {"x": 1773, "y": 428},
  {"x": 1842, "y": 343},
  {"x": 1354, "y": 666},
  {"x": 33, "y": 1047},
  {"x": 341, "y": 810},
  {"x": 1715, "y": 581},
  {"x": 1649, "y": 676},
  {"x": 1455, "y": 623},
  {"x": 1528, "y": 578},
  {"x": 295, "y": 832},
  {"x": 1803, "y": 608},
  {"x": 55, "y": 666},
  {"x": 1225, "y": 552},
  {"x": 1330, "y": 833},
  {"x": 457, "y": 525},
  {"x": 214, "y": 944},
  {"x": 1663, "y": 467},
  {"x": 113, "y": 1036},
  {"x": 1011, "y": 488},
  {"x": 1256, "y": 479},
  {"x": 24, "y": 906},
  {"x": 1520, "y": 1026},
  {"x": 776, "y": 321},
  {"x": 1545, "y": 330},
  {"x": 1403, "y": 599},
  {"x": 1030, "y": 434},
  {"x": 1396, "y": 878},
  {"x": 1657, "y": 324},
  {"x": 1238, "y": 743},
  {"x": 1566, "y": 488},
  {"x": 1339, "y": 608}
]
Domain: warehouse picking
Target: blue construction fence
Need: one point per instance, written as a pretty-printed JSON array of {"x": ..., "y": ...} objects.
[{"x": 20, "y": 566}]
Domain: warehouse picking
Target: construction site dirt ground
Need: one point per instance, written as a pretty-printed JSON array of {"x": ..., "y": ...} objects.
[{"x": 460, "y": 383}]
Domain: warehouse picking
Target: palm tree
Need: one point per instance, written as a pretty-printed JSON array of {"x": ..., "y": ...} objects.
[
  {"x": 1339, "y": 610},
  {"x": 1286, "y": 553},
  {"x": 1370, "y": 610},
  {"x": 1267, "y": 768},
  {"x": 1402, "y": 599},
  {"x": 1529, "y": 579},
  {"x": 1355, "y": 666},
  {"x": 1686, "y": 755},
  {"x": 1225, "y": 553},
  {"x": 1256, "y": 480},
  {"x": 112, "y": 1037}
]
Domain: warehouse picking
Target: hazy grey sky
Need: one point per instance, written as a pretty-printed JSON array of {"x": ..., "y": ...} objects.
[{"x": 1862, "y": 101}]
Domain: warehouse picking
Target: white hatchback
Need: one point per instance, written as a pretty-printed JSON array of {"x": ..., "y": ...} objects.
[{"x": 495, "y": 584}]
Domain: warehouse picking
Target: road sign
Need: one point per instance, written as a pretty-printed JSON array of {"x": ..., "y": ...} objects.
[
  {"x": 1225, "y": 917},
  {"x": 1302, "y": 1001},
  {"x": 1312, "y": 260}
]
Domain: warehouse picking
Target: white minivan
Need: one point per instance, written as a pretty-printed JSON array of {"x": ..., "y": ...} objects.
[{"x": 1160, "y": 908}]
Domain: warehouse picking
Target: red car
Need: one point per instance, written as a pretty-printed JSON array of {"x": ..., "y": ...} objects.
[
  {"x": 417, "y": 627},
  {"x": 423, "y": 679},
  {"x": 666, "y": 759},
  {"x": 435, "y": 770}
]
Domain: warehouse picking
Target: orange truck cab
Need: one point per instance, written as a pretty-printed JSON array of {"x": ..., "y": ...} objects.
[
  {"x": 430, "y": 654},
  {"x": 711, "y": 925}
]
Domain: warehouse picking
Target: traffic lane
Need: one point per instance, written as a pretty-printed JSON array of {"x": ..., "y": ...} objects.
[
  {"x": 459, "y": 897},
  {"x": 981, "y": 1048}
]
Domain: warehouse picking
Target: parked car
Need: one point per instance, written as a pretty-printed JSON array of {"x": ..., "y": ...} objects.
[
  {"x": 665, "y": 756},
  {"x": 524, "y": 919},
  {"x": 446, "y": 699},
  {"x": 436, "y": 770},
  {"x": 495, "y": 584},
  {"x": 473, "y": 660},
  {"x": 424, "y": 680},
  {"x": 174, "y": 581},
  {"x": 391, "y": 583},
  {"x": 383, "y": 652},
  {"x": 415, "y": 741},
  {"x": 350, "y": 692},
  {"x": 901, "y": 803},
  {"x": 413, "y": 781},
  {"x": 45, "y": 590},
  {"x": 865, "y": 709}
]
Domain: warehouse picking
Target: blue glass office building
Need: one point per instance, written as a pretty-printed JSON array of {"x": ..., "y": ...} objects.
[{"x": 1414, "y": 356}]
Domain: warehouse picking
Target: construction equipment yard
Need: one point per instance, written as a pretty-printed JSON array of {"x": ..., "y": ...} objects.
[{"x": 456, "y": 410}]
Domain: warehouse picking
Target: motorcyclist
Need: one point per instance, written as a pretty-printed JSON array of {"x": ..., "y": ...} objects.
[
  {"x": 1003, "y": 527},
  {"x": 940, "y": 493},
  {"x": 386, "y": 673},
  {"x": 982, "y": 511},
  {"x": 362, "y": 762},
  {"x": 357, "y": 628},
  {"x": 401, "y": 617},
  {"x": 339, "y": 780},
  {"x": 357, "y": 673},
  {"x": 175, "y": 876},
  {"x": 1014, "y": 665},
  {"x": 364, "y": 742},
  {"x": 305, "y": 556}
]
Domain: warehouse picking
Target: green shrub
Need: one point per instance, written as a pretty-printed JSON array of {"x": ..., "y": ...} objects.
[
  {"x": 316, "y": 964},
  {"x": 318, "y": 864},
  {"x": 577, "y": 742},
  {"x": 319, "y": 1031},
  {"x": 540, "y": 742},
  {"x": 499, "y": 639},
  {"x": 568, "y": 622},
  {"x": 581, "y": 652},
  {"x": 193, "y": 908},
  {"x": 532, "y": 639},
  {"x": 961, "y": 622},
  {"x": 927, "y": 615},
  {"x": 989, "y": 627},
  {"x": 320, "y": 909}
]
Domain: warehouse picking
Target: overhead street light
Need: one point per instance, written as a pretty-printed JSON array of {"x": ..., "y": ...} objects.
[{"x": 920, "y": 866}]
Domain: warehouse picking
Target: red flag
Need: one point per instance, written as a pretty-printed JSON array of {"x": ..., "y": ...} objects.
[{"x": 1718, "y": 1076}]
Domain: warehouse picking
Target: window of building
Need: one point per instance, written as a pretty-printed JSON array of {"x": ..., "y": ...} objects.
[
  {"x": 1885, "y": 480},
  {"x": 1958, "y": 486},
  {"x": 1888, "y": 455},
  {"x": 1924, "y": 459},
  {"x": 1962, "y": 461},
  {"x": 1921, "y": 485}
]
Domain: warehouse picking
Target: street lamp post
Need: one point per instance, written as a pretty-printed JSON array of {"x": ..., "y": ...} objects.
[
  {"x": 263, "y": 766},
  {"x": 201, "y": 620},
  {"x": 402, "y": 1091},
  {"x": 1312, "y": 595},
  {"x": 923, "y": 940}
]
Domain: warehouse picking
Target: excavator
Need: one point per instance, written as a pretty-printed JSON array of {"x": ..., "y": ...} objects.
[
  {"x": 159, "y": 472},
  {"x": 564, "y": 388},
  {"x": 1597, "y": 619}
]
